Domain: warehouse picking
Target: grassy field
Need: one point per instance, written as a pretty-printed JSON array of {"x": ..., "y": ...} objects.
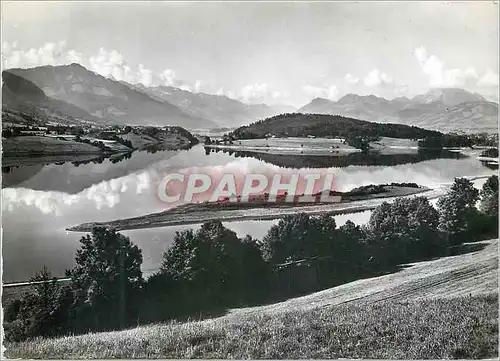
[
  {"x": 33, "y": 145},
  {"x": 444, "y": 308},
  {"x": 291, "y": 145}
]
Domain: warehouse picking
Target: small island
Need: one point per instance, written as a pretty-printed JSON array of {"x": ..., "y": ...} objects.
[{"x": 259, "y": 208}]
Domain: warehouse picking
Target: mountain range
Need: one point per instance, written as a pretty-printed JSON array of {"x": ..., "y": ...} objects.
[
  {"x": 105, "y": 100},
  {"x": 108, "y": 101},
  {"x": 24, "y": 96},
  {"x": 225, "y": 111},
  {"x": 74, "y": 92},
  {"x": 444, "y": 109}
]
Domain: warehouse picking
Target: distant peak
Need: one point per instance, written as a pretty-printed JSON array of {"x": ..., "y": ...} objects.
[
  {"x": 350, "y": 98},
  {"x": 78, "y": 65},
  {"x": 318, "y": 99}
]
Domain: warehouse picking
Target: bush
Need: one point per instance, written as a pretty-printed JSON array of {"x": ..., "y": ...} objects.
[
  {"x": 12, "y": 310},
  {"x": 39, "y": 313}
]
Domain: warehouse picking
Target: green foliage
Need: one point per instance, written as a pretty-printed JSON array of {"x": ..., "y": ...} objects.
[
  {"x": 106, "y": 280},
  {"x": 489, "y": 197},
  {"x": 404, "y": 230},
  {"x": 289, "y": 240},
  {"x": 457, "y": 208},
  {"x": 125, "y": 142},
  {"x": 209, "y": 268},
  {"x": 39, "y": 313},
  {"x": 491, "y": 152},
  {"x": 321, "y": 125}
]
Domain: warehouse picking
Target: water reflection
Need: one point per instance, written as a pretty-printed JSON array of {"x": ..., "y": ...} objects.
[
  {"x": 47, "y": 198},
  {"x": 340, "y": 159}
]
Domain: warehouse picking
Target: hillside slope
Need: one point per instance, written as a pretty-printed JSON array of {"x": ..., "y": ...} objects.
[
  {"x": 474, "y": 273},
  {"x": 322, "y": 125},
  {"x": 445, "y": 308},
  {"x": 109, "y": 101},
  {"x": 225, "y": 111},
  {"x": 24, "y": 96}
]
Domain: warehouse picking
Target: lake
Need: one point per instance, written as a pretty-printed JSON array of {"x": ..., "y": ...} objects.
[{"x": 39, "y": 201}]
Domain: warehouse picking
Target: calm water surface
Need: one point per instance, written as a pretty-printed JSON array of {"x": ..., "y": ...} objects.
[{"x": 40, "y": 201}]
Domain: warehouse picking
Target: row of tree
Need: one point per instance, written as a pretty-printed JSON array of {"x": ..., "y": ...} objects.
[{"x": 210, "y": 269}]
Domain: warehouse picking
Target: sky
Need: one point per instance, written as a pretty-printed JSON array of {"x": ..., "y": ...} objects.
[{"x": 272, "y": 52}]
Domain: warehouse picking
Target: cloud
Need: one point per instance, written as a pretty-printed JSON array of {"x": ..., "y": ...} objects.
[
  {"x": 351, "y": 78},
  {"x": 330, "y": 92},
  {"x": 257, "y": 93},
  {"x": 227, "y": 93},
  {"x": 197, "y": 86},
  {"x": 145, "y": 76},
  {"x": 280, "y": 95},
  {"x": 168, "y": 77},
  {"x": 376, "y": 82},
  {"x": 108, "y": 63},
  {"x": 376, "y": 78},
  {"x": 74, "y": 57},
  {"x": 112, "y": 64},
  {"x": 430, "y": 65},
  {"x": 254, "y": 92},
  {"x": 51, "y": 53},
  {"x": 440, "y": 76},
  {"x": 489, "y": 78}
]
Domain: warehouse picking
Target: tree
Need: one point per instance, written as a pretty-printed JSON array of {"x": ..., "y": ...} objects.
[
  {"x": 484, "y": 224},
  {"x": 289, "y": 240},
  {"x": 207, "y": 265},
  {"x": 106, "y": 280},
  {"x": 404, "y": 230},
  {"x": 254, "y": 273},
  {"x": 457, "y": 208},
  {"x": 489, "y": 197},
  {"x": 353, "y": 240}
]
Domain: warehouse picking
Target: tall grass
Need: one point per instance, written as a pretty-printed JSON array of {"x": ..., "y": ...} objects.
[{"x": 462, "y": 327}]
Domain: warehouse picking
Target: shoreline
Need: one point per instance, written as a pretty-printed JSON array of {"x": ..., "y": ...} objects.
[
  {"x": 172, "y": 218},
  {"x": 259, "y": 213}
]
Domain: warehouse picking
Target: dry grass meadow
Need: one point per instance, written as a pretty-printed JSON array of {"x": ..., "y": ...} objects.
[{"x": 444, "y": 308}]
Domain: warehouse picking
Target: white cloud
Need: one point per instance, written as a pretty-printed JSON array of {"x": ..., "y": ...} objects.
[
  {"x": 168, "y": 77},
  {"x": 197, "y": 86},
  {"x": 484, "y": 82},
  {"x": 489, "y": 78},
  {"x": 430, "y": 65},
  {"x": 351, "y": 78},
  {"x": 108, "y": 63},
  {"x": 376, "y": 78},
  {"x": 280, "y": 95},
  {"x": 74, "y": 57},
  {"x": 254, "y": 92},
  {"x": 51, "y": 53},
  {"x": 112, "y": 64},
  {"x": 185, "y": 87},
  {"x": 330, "y": 92},
  {"x": 145, "y": 76},
  {"x": 227, "y": 93},
  {"x": 440, "y": 76},
  {"x": 257, "y": 93}
]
